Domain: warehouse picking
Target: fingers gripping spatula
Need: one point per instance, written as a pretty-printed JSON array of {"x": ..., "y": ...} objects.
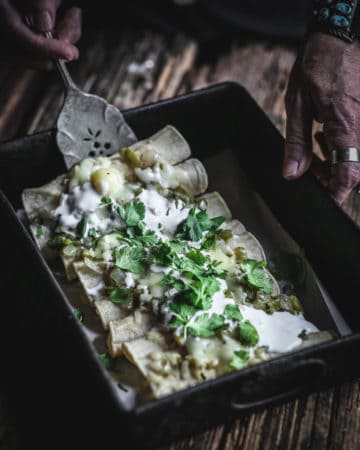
[{"x": 87, "y": 124}]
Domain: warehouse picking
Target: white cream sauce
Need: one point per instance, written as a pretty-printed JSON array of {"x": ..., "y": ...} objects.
[
  {"x": 129, "y": 280},
  {"x": 161, "y": 173},
  {"x": 157, "y": 268},
  {"x": 219, "y": 301},
  {"x": 278, "y": 331},
  {"x": 95, "y": 292},
  {"x": 162, "y": 215},
  {"x": 84, "y": 200},
  {"x": 150, "y": 175}
]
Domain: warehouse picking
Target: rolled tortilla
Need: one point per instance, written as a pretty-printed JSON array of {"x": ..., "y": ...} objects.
[
  {"x": 161, "y": 365},
  {"x": 68, "y": 262},
  {"x": 214, "y": 204},
  {"x": 91, "y": 281},
  {"x": 109, "y": 312},
  {"x": 39, "y": 203},
  {"x": 133, "y": 326},
  {"x": 235, "y": 226},
  {"x": 169, "y": 143},
  {"x": 195, "y": 181},
  {"x": 249, "y": 244}
]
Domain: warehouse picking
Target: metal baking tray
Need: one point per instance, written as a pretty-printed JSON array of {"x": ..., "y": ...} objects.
[{"x": 50, "y": 362}]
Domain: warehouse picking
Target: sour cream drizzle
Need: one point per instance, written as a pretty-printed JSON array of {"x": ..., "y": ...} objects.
[
  {"x": 278, "y": 331},
  {"x": 83, "y": 200},
  {"x": 163, "y": 212}
]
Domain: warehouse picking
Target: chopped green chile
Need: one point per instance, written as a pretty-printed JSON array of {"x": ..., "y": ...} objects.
[{"x": 225, "y": 235}]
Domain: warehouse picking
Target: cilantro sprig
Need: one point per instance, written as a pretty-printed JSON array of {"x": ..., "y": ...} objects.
[
  {"x": 201, "y": 291},
  {"x": 120, "y": 296},
  {"x": 164, "y": 255},
  {"x": 232, "y": 312},
  {"x": 132, "y": 212},
  {"x": 256, "y": 276},
  {"x": 196, "y": 223},
  {"x": 240, "y": 359},
  {"x": 206, "y": 325},
  {"x": 182, "y": 313},
  {"x": 132, "y": 259},
  {"x": 248, "y": 334}
]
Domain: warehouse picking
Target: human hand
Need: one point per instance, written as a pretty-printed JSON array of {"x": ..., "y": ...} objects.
[
  {"x": 23, "y": 23},
  {"x": 324, "y": 86}
]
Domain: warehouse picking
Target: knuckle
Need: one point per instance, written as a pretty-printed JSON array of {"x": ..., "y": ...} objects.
[{"x": 347, "y": 175}]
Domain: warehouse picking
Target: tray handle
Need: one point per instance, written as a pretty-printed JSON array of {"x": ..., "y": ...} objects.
[{"x": 311, "y": 371}]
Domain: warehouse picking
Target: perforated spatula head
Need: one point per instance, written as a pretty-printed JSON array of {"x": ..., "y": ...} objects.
[{"x": 87, "y": 124}]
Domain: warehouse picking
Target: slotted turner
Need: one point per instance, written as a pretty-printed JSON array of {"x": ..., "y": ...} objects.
[{"x": 88, "y": 125}]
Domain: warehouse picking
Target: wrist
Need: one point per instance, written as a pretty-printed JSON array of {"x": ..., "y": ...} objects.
[{"x": 339, "y": 18}]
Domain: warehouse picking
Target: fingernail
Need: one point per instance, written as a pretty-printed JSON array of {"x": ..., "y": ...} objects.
[
  {"x": 43, "y": 21},
  {"x": 291, "y": 168}
]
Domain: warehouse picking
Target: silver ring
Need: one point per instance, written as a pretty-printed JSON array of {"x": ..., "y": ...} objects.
[{"x": 349, "y": 154}]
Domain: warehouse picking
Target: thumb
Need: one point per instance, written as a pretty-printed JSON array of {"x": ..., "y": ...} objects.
[
  {"x": 42, "y": 14},
  {"x": 298, "y": 143}
]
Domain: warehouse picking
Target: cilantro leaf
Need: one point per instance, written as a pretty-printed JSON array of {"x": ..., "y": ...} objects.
[
  {"x": 201, "y": 291},
  {"x": 132, "y": 212},
  {"x": 190, "y": 269},
  {"x": 132, "y": 259},
  {"x": 195, "y": 255},
  {"x": 120, "y": 296},
  {"x": 190, "y": 228},
  {"x": 232, "y": 312},
  {"x": 240, "y": 359},
  {"x": 177, "y": 246},
  {"x": 195, "y": 224},
  {"x": 182, "y": 313},
  {"x": 164, "y": 255},
  {"x": 106, "y": 360},
  {"x": 206, "y": 325},
  {"x": 170, "y": 281},
  {"x": 148, "y": 237},
  {"x": 79, "y": 315},
  {"x": 248, "y": 334},
  {"x": 209, "y": 240},
  {"x": 213, "y": 269},
  {"x": 256, "y": 275},
  {"x": 82, "y": 227}
]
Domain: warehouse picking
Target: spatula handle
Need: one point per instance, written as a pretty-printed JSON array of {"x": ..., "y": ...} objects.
[{"x": 61, "y": 66}]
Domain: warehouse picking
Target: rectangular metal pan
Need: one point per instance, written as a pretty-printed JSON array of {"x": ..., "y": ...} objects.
[{"x": 50, "y": 363}]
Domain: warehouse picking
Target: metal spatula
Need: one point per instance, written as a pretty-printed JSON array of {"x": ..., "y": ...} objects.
[{"x": 87, "y": 124}]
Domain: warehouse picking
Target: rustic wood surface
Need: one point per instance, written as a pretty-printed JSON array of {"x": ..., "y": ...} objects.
[{"x": 30, "y": 102}]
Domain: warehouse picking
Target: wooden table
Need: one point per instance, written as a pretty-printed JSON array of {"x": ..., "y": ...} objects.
[{"x": 30, "y": 102}]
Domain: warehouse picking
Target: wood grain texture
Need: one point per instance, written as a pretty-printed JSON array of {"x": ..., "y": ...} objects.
[{"x": 31, "y": 101}]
